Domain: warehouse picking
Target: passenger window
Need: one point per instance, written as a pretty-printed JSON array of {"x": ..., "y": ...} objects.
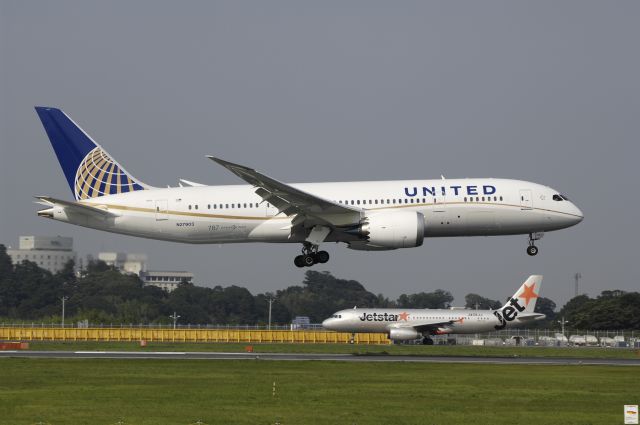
[
  {"x": 465, "y": 199},
  {"x": 226, "y": 206},
  {"x": 501, "y": 198},
  {"x": 189, "y": 206},
  {"x": 196, "y": 206},
  {"x": 214, "y": 206},
  {"x": 358, "y": 201}
]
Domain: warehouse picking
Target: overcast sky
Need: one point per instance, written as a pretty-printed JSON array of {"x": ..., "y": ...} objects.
[{"x": 544, "y": 91}]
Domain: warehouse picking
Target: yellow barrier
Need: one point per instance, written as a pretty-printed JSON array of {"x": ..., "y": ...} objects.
[{"x": 187, "y": 335}]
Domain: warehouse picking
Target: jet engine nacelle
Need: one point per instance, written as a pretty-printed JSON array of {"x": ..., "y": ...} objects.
[
  {"x": 393, "y": 229},
  {"x": 404, "y": 334}
]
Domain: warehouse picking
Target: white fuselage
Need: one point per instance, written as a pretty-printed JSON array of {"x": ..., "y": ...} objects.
[
  {"x": 371, "y": 320},
  {"x": 233, "y": 214}
]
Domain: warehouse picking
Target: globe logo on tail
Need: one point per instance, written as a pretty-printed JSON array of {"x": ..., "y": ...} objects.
[{"x": 99, "y": 175}]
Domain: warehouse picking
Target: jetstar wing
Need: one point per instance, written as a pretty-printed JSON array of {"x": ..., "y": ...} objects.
[
  {"x": 424, "y": 325},
  {"x": 73, "y": 208},
  {"x": 310, "y": 210}
]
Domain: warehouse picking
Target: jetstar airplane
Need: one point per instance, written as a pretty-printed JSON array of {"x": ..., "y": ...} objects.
[
  {"x": 369, "y": 216},
  {"x": 410, "y": 324}
]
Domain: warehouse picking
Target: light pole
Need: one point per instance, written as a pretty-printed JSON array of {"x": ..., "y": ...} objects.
[
  {"x": 175, "y": 318},
  {"x": 562, "y": 323},
  {"x": 577, "y": 277},
  {"x": 65, "y": 298},
  {"x": 271, "y": 300}
]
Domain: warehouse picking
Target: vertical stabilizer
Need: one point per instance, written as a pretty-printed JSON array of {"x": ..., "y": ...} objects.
[
  {"x": 90, "y": 171},
  {"x": 527, "y": 295}
]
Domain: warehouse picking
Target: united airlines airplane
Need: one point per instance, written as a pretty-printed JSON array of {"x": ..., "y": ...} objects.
[
  {"x": 410, "y": 324},
  {"x": 369, "y": 216}
]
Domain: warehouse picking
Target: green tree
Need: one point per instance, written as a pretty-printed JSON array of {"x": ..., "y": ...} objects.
[
  {"x": 474, "y": 301},
  {"x": 436, "y": 299}
]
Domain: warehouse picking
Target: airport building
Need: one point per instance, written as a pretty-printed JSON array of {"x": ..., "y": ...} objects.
[
  {"x": 125, "y": 263},
  {"x": 167, "y": 280},
  {"x": 48, "y": 252}
]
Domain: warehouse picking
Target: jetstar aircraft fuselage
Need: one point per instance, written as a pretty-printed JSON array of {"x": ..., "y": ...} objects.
[
  {"x": 371, "y": 215},
  {"x": 409, "y": 324}
]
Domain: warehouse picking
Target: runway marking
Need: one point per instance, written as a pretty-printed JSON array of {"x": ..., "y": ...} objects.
[{"x": 209, "y": 355}]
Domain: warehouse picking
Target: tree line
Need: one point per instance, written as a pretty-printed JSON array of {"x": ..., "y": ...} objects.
[{"x": 103, "y": 295}]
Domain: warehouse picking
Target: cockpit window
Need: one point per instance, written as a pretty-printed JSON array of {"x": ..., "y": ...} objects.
[
  {"x": 564, "y": 197},
  {"x": 557, "y": 197}
]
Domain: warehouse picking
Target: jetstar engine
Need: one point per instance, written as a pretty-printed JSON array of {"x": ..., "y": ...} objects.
[
  {"x": 390, "y": 230},
  {"x": 403, "y": 334}
]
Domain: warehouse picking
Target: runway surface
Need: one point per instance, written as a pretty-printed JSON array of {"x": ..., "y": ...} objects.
[{"x": 179, "y": 355}]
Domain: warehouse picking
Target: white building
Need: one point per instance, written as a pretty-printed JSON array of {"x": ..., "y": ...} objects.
[
  {"x": 167, "y": 280},
  {"x": 48, "y": 252},
  {"x": 125, "y": 263}
]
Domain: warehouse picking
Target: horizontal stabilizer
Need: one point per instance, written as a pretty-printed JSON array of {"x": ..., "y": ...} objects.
[
  {"x": 76, "y": 207},
  {"x": 531, "y": 316},
  {"x": 192, "y": 184}
]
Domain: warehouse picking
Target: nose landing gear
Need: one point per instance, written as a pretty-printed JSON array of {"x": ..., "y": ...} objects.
[
  {"x": 532, "y": 249},
  {"x": 310, "y": 256}
]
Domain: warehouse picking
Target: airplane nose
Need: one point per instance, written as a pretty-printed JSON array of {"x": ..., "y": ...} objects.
[
  {"x": 327, "y": 324},
  {"x": 579, "y": 216}
]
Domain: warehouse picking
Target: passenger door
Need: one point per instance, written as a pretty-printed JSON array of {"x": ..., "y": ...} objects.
[
  {"x": 162, "y": 210},
  {"x": 526, "y": 200}
]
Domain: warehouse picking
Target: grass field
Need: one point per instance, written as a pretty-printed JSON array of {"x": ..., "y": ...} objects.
[
  {"x": 100, "y": 391},
  {"x": 421, "y": 350}
]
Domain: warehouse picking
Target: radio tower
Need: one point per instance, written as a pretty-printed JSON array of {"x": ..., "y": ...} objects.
[{"x": 577, "y": 277}]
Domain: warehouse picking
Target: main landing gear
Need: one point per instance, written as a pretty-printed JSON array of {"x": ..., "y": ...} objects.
[
  {"x": 427, "y": 341},
  {"x": 532, "y": 249},
  {"x": 310, "y": 256}
]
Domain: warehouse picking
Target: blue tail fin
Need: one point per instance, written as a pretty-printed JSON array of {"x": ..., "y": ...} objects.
[{"x": 89, "y": 169}]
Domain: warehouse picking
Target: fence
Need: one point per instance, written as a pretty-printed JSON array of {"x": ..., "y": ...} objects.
[
  {"x": 279, "y": 334},
  {"x": 187, "y": 335}
]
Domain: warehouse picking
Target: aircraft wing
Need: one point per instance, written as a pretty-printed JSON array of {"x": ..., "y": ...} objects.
[
  {"x": 309, "y": 209},
  {"x": 77, "y": 207},
  {"x": 424, "y": 325}
]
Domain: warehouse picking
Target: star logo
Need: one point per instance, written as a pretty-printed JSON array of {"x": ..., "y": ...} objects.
[
  {"x": 528, "y": 293},
  {"x": 403, "y": 316}
]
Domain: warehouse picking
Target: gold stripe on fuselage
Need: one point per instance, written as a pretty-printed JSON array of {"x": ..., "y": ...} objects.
[{"x": 264, "y": 218}]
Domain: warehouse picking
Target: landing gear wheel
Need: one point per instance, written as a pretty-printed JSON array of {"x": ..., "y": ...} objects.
[
  {"x": 298, "y": 261},
  {"x": 427, "y": 341},
  {"x": 322, "y": 257},
  {"x": 310, "y": 256},
  {"x": 308, "y": 260},
  {"x": 532, "y": 249}
]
